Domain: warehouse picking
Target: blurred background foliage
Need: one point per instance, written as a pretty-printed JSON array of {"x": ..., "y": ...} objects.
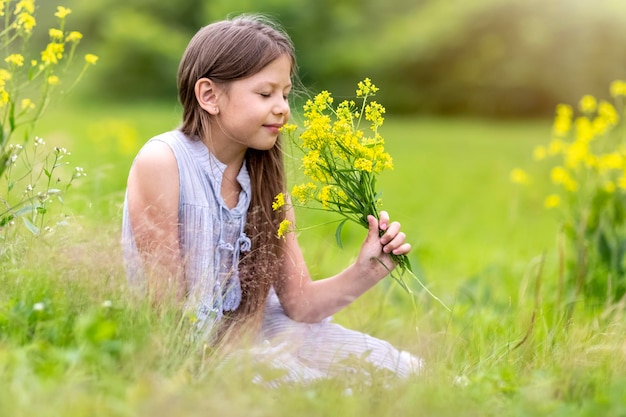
[{"x": 493, "y": 58}]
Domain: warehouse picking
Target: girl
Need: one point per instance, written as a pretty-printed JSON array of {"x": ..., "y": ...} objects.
[{"x": 198, "y": 222}]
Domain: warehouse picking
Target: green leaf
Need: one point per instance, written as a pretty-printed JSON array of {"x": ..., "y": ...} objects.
[
  {"x": 26, "y": 209},
  {"x": 30, "y": 226},
  {"x": 338, "y": 233},
  {"x": 6, "y": 219}
]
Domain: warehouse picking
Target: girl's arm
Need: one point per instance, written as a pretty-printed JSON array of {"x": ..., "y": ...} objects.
[
  {"x": 153, "y": 191},
  {"x": 311, "y": 301}
]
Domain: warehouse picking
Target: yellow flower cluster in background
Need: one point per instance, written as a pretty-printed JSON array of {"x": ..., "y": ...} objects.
[
  {"x": 587, "y": 150},
  {"x": 585, "y": 166},
  {"x": 61, "y": 47},
  {"x": 29, "y": 78}
]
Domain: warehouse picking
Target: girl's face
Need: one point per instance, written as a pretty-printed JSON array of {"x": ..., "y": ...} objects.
[{"x": 253, "y": 109}]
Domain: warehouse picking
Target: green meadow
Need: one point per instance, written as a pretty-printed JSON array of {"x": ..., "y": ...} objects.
[{"x": 74, "y": 342}]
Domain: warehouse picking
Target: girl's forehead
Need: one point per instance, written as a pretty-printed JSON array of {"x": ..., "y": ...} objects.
[{"x": 276, "y": 72}]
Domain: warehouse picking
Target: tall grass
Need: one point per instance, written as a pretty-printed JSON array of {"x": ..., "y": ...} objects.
[{"x": 74, "y": 341}]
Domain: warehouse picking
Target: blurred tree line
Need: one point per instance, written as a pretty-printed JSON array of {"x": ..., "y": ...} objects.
[{"x": 496, "y": 58}]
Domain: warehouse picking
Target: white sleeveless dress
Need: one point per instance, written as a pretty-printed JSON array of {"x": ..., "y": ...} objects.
[{"x": 211, "y": 240}]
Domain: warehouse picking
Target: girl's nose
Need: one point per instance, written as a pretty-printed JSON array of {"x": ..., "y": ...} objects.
[{"x": 282, "y": 107}]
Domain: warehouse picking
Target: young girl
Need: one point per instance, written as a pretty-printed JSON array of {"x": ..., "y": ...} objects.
[{"x": 198, "y": 222}]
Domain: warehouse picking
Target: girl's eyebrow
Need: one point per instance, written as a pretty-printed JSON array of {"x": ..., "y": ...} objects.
[{"x": 275, "y": 84}]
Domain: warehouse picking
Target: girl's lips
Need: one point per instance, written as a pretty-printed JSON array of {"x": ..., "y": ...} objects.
[{"x": 274, "y": 128}]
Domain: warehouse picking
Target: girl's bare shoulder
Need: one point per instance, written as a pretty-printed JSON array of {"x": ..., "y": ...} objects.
[
  {"x": 156, "y": 154},
  {"x": 154, "y": 167}
]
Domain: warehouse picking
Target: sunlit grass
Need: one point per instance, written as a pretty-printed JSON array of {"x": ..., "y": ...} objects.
[{"x": 485, "y": 247}]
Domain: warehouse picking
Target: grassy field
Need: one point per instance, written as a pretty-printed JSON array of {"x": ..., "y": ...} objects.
[{"x": 74, "y": 342}]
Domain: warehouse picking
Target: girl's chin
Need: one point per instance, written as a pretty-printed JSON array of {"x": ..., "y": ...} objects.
[{"x": 263, "y": 146}]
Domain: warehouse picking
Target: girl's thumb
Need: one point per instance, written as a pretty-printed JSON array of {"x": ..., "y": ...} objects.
[{"x": 372, "y": 233}]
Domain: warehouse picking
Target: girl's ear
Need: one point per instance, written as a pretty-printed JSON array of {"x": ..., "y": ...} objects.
[{"x": 206, "y": 95}]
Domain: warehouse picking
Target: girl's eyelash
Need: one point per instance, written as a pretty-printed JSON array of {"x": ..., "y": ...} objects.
[{"x": 285, "y": 96}]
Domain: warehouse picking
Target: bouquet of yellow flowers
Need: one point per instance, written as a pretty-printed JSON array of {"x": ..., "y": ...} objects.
[{"x": 341, "y": 161}]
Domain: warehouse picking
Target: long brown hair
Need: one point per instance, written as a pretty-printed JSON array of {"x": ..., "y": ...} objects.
[{"x": 224, "y": 52}]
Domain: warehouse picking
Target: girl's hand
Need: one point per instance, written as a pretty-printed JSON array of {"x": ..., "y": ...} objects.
[{"x": 374, "y": 260}]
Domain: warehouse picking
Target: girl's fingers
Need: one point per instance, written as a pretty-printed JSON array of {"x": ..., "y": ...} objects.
[
  {"x": 393, "y": 240},
  {"x": 383, "y": 220},
  {"x": 395, "y": 243},
  {"x": 403, "y": 249},
  {"x": 390, "y": 234}
]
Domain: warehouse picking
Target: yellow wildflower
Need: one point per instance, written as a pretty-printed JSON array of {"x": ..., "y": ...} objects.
[
  {"x": 564, "y": 110},
  {"x": 15, "y": 59},
  {"x": 344, "y": 112},
  {"x": 288, "y": 128},
  {"x": 314, "y": 165},
  {"x": 325, "y": 196},
  {"x": 374, "y": 113},
  {"x": 279, "y": 201},
  {"x": 599, "y": 126},
  {"x": 609, "y": 161},
  {"x": 319, "y": 103},
  {"x": 4, "y": 76},
  {"x": 618, "y": 88},
  {"x": 609, "y": 187},
  {"x": 27, "y": 6},
  {"x": 91, "y": 59},
  {"x": 563, "y": 120},
  {"x": 25, "y": 21},
  {"x": 27, "y": 104},
  {"x": 519, "y": 176},
  {"x": 363, "y": 164},
  {"x": 303, "y": 192},
  {"x": 4, "y": 97},
  {"x": 552, "y": 201},
  {"x": 74, "y": 36},
  {"x": 56, "y": 34},
  {"x": 584, "y": 129},
  {"x": 559, "y": 175},
  {"x": 588, "y": 104},
  {"x": 576, "y": 153},
  {"x": 53, "y": 80},
  {"x": 366, "y": 88},
  {"x": 386, "y": 162},
  {"x": 283, "y": 228},
  {"x": 52, "y": 54},
  {"x": 62, "y": 12},
  {"x": 376, "y": 140},
  {"x": 607, "y": 112}
]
